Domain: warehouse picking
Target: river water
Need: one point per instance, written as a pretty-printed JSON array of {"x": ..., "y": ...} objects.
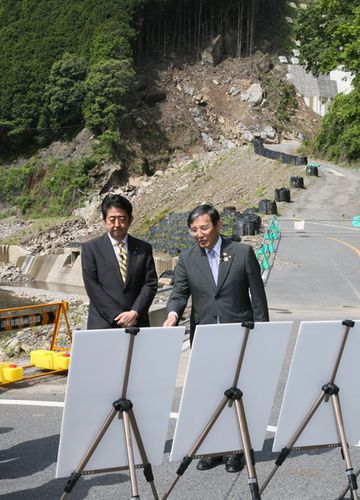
[{"x": 7, "y": 299}]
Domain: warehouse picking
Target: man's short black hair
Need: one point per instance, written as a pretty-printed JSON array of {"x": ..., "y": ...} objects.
[
  {"x": 202, "y": 210},
  {"x": 115, "y": 201}
]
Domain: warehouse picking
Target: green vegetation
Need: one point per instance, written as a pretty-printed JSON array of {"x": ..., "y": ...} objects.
[
  {"x": 148, "y": 222},
  {"x": 281, "y": 99},
  {"x": 329, "y": 31},
  {"x": 56, "y": 186},
  {"x": 59, "y": 58}
]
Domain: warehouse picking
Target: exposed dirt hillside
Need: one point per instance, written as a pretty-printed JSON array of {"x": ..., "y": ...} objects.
[
  {"x": 193, "y": 144},
  {"x": 203, "y": 108},
  {"x": 235, "y": 177}
]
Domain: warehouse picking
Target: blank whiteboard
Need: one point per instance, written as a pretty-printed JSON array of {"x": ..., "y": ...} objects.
[
  {"x": 211, "y": 370},
  {"x": 312, "y": 365},
  {"x": 95, "y": 381}
]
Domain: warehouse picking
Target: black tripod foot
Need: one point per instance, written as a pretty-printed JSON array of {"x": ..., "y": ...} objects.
[{"x": 255, "y": 493}]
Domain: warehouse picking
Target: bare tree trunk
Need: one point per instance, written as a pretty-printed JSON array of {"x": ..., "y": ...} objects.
[
  {"x": 179, "y": 31},
  {"x": 252, "y": 27},
  {"x": 240, "y": 28},
  {"x": 199, "y": 29},
  {"x": 189, "y": 34},
  {"x": 165, "y": 36}
]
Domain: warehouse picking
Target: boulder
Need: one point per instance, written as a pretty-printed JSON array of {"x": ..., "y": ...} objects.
[{"x": 253, "y": 95}]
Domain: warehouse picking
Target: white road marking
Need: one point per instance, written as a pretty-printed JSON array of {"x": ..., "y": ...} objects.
[
  {"x": 331, "y": 225},
  {"x": 24, "y": 402},
  {"x": 335, "y": 173},
  {"x": 60, "y": 404}
]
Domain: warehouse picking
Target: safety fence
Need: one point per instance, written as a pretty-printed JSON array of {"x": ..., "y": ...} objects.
[{"x": 267, "y": 247}]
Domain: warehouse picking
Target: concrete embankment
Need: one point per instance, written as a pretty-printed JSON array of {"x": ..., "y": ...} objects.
[{"x": 63, "y": 267}]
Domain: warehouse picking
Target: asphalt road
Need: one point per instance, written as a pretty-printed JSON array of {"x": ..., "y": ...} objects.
[{"x": 316, "y": 276}]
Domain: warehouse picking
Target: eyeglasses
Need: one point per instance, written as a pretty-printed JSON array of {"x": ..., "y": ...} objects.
[
  {"x": 121, "y": 219},
  {"x": 200, "y": 229}
]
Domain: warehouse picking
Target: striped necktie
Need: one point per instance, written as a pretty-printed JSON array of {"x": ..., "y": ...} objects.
[{"x": 122, "y": 260}]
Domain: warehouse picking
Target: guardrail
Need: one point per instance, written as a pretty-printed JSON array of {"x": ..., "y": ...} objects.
[{"x": 267, "y": 247}]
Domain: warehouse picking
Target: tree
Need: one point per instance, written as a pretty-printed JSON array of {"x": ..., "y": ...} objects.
[
  {"x": 64, "y": 94},
  {"x": 107, "y": 84},
  {"x": 329, "y": 32}
]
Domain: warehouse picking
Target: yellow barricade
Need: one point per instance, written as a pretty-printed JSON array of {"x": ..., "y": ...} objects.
[{"x": 56, "y": 359}]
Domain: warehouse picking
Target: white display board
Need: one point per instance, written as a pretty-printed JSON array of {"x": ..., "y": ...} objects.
[
  {"x": 211, "y": 371},
  {"x": 316, "y": 350},
  {"x": 95, "y": 381}
]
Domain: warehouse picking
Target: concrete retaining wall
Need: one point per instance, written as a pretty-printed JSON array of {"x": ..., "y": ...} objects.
[
  {"x": 60, "y": 268},
  {"x": 4, "y": 254},
  {"x": 13, "y": 254}
]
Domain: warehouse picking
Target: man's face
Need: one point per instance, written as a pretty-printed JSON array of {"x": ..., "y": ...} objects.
[
  {"x": 117, "y": 223},
  {"x": 204, "y": 232}
]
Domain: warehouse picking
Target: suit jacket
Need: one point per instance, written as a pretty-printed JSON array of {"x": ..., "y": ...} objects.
[
  {"x": 238, "y": 296},
  {"x": 108, "y": 294}
]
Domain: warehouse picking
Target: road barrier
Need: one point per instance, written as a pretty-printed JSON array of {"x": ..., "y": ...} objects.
[
  {"x": 16, "y": 318},
  {"x": 261, "y": 150},
  {"x": 267, "y": 247}
]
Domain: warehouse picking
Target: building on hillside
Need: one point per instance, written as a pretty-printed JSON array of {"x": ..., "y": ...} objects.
[{"x": 318, "y": 92}]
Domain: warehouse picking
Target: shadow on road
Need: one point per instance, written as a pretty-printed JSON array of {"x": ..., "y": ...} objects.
[{"x": 54, "y": 489}]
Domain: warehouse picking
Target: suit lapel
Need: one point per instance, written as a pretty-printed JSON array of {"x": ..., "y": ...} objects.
[
  {"x": 132, "y": 258},
  {"x": 226, "y": 260},
  {"x": 203, "y": 264}
]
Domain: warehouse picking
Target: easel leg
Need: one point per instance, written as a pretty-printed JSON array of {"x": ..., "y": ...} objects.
[
  {"x": 130, "y": 455},
  {"x": 76, "y": 475},
  {"x": 285, "y": 451},
  {"x": 188, "y": 458},
  {"x": 344, "y": 445},
  {"x": 342, "y": 495},
  {"x": 244, "y": 431},
  {"x": 147, "y": 466}
]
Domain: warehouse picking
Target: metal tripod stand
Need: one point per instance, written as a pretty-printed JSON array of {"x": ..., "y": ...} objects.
[
  {"x": 124, "y": 408},
  {"x": 233, "y": 395},
  {"x": 328, "y": 391}
]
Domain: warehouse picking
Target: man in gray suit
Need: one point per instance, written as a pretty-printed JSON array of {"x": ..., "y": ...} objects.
[
  {"x": 118, "y": 271},
  {"x": 224, "y": 280}
]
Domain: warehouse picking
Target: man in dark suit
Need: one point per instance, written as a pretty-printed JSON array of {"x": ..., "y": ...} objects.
[
  {"x": 224, "y": 280},
  {"x": 118, "y": 271}
]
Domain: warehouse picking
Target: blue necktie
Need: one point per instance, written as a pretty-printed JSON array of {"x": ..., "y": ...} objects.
[{"x": 214, "y": 264}]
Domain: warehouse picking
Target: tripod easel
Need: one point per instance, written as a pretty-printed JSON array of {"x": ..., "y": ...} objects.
[
  {"x": 124, "y": 408},
  {"x": 328, "y": 391},
  {"x": 233, "y": 395}
]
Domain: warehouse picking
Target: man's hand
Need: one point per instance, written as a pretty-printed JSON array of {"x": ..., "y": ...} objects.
[
  {"x": 171, "y": 320},
  {"x": 127, "y": 318}
]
